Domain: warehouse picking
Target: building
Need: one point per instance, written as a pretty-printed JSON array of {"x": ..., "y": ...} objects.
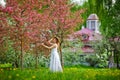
[
  {"x": 89, "y": 35},
  {"x": 93, "y": 23}
]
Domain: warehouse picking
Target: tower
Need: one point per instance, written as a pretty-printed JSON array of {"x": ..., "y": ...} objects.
[{"x": 93, "y": 23}]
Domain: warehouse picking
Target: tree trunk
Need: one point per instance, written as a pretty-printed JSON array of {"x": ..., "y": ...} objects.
[
  {"x": 62, "y": 63},
  {"x": 16, "y": 60},
  {"x": 21, "y": 62},
  {"x": 36, "y": 66},
  {"x": 117, "y": 60},
  {"x": 111, "y": 61}
]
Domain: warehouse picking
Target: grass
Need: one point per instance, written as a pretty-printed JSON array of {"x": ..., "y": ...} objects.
[{"x": 70, "y": 73}]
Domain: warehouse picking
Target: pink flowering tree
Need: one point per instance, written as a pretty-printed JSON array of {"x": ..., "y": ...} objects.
[
  {"x": 23, "y": 23},
  {"x": 60, "y": 19},
  {"x": 29, "y": 21}
]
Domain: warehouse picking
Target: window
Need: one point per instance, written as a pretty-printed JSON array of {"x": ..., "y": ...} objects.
[
  {"x": 85, "y": 36},
  {"x": 87, "y": 24},
  {"x": 93, "y": 25}
]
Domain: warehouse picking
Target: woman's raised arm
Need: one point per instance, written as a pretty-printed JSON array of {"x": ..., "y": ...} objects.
[{"x": 49, "y": 47}]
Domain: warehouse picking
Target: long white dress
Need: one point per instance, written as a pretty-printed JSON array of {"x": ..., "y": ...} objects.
[{"x": 55, "y": 64}]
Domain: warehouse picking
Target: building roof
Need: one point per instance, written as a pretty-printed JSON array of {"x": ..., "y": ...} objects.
[
  {"x": 95, "y": 37},
  {"x": 92, "y": 35},
  {"x": 93, "y": 17},
  {"x": 85, "y": 31}
]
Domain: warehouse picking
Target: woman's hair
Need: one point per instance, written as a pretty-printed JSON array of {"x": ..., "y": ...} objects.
[{"x": 57, "y": 39}]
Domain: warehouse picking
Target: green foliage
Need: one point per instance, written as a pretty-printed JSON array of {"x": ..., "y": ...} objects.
[
  {"x": 72, "y": 52},
  {"x": 7, "y": 65},
  {"x": 43, "y": 8},
  {"x": 109, "y": 15},
  {"x": 7, "y": 53},
  {"x": 71, "y": 58},
  {"x": 92, "y": 60},
  {"x": 106, "y": 49},
  {"x": 43, "y": 61},
  {"x": 30, "y": 61},
  {"x": 85, "y": 15},
  {"x": 97, "y": 61},
  {"x": 71, "y": 73}
]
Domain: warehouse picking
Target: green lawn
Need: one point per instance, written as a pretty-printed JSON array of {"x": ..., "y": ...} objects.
[{"x": 71, "y": 73}]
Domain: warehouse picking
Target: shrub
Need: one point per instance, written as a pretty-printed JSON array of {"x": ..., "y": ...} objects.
[
  {"x": 97, "y": 61},
  {"x": 30, "y": 61},
  {"x": 92, "y": 60},
  {"x": 5, "y": 66},
  {"x": 7, "y": 53}
]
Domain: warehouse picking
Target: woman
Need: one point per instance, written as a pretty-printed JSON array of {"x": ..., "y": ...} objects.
[{"x": 55, "y": 64}]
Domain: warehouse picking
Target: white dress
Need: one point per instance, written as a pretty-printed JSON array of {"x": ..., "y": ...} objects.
[{"x": 55, "y": 64}]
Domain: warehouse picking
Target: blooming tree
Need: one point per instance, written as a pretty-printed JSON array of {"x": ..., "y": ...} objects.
[
  {"x": 23, "y": 24},
  {"x": 60, "y": 19},
  {"x": 29, "y": 22}
]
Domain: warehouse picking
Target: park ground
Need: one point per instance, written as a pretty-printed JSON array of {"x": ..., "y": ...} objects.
[{"x": 69, "y": 73}]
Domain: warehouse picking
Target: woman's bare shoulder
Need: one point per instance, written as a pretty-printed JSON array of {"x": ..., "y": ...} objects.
[{"x": 55, "y": 45}]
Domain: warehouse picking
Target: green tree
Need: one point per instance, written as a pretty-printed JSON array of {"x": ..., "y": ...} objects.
[{"x": 109, "y": 14}]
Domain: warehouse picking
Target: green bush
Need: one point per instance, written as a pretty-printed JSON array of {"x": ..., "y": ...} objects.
[
  {"x": 7, "y": 53},
  {"x": 97, "y": 61},
  {"x": 30, "y": 61},
  {"x": 5, "y": 66},
  {"x": 71, "y": 54},
  {"x": 71, "y": 59},
  {"x": 92, "y": 60}
]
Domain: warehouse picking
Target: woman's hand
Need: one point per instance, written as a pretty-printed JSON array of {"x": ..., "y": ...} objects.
[
  {"x": 48, "y": 47},
  {"x": 42, "y": 44},
  {"x": 50, "y": 40}
]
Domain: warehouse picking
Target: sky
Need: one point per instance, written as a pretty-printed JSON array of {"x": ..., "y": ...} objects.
[
  {"x": 113, "y": 1},
  {"x": 79, "y": 2}
]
